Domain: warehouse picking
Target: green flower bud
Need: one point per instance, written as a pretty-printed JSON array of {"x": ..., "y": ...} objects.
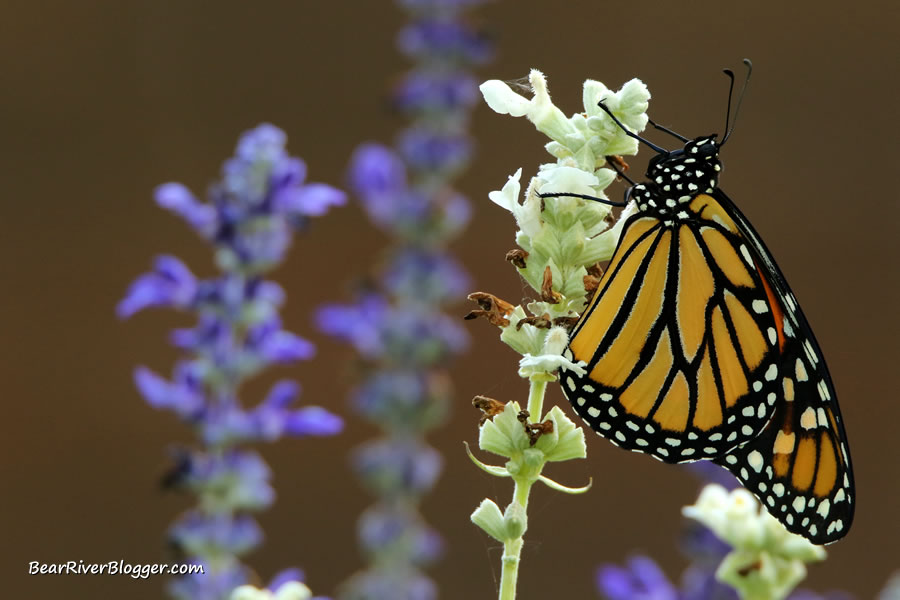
[{"x": 489, "y": 518}]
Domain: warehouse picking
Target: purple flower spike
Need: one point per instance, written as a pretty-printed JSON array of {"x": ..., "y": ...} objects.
[
  {"x": 398, "y": 326},
  {"x": 249, "y": 217}
]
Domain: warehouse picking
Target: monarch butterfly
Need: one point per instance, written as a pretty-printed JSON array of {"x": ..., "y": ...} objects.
[{"x": 697, "y": 349}]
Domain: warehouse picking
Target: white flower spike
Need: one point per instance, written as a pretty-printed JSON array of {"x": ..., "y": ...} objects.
[{"x": 766, "y": 561}]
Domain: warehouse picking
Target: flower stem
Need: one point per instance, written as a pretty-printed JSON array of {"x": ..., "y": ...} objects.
[
  {"x": 536, "y": 398},
  {"x": 512, "y": 549}
]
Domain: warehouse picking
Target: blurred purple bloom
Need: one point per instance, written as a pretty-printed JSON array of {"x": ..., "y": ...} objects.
[
  {"x": 396, "y": 584},
  {"x": 702, "y": 545},
  {"x": 429, "y": 276},
  {"x": 198, "y": 534},
  {"x": 427, "y": 150},
  {"x": 402, "y": 335},
  {"x": 398, "y": 467},
  {"x": 444, "y": 38},
  {"x": 641, "y": 580},
  {"x": 376, "y": 171},
  {"x": 249, "y": 218},
  {"x": 178, "y": 199},
  {"x": 183, "y": 396},
  {"x": 404, "y": 399},
  {"x": 709, "y": 472},
  {"x": 170, "y": 284},
  {"x": 399, "y": 327},
  {"x": 428, "y": 91},
  {"x": 391, "y": 532},
  {"x": 698, "y": 582}
]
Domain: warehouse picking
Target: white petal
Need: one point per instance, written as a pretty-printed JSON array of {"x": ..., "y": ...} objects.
[{"x": 503, "y": 100}]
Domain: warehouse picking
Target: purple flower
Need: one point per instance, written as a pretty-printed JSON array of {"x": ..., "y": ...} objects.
[
  {"x": 429, "y": 276},
  {"x": 184, "y": 395},
  {"x": 406, "y": 335},
  {"x": 445, "y": 38},
  {"x": 444, "y": 91},
  {"x": 427, "y": 150},
  {"x": 404, "y": 399},
  {"x": 170, "y": 284},
  {"x": 398, "y": 467},
  {"x": 249, "y": 218},
  {"x": 398, "y": 325},
  {"x": 394, "y": 584},
  {"x": 709, "y": 472},
  {"x": 641, "y": 580},
  {"x": 198, "y": 534},
  {"x": 393, "y": 531}
]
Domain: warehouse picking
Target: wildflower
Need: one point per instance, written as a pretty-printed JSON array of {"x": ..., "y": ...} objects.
[
  {"x": 398, "y": 326},
  {"x": 560, "y": 241},
  {"x": 766, "y": 561},
  {"x": 249, "y": 219}
]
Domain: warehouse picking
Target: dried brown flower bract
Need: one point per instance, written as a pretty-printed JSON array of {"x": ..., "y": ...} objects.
[
  {"x": 493, "y": 308},
  {"x": 548, "y": 294},
  {"x": 517, "y": 257},
  {"x": 488, "y": 406}
]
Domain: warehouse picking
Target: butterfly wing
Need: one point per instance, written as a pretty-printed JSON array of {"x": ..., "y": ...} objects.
[
  {"x": 682, "y": 352},
  {"x": 799, "y": 466}
]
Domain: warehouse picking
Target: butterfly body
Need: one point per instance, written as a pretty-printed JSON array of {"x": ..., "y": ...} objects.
[{"x": 697, "y": 349}]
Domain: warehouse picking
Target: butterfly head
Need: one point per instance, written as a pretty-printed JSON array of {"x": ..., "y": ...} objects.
[{"x": 688, "y": 171}]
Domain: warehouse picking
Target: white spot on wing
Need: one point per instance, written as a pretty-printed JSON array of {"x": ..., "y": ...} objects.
[
  {"x": 808, "y": 418},
  {"x": 800, "y": 371},
  {"x": 755, "y": 459}
]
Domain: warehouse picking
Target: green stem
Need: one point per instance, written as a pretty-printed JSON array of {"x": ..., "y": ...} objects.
[
  {"x": 512, "y": 549},
  {"x": 536, "y": 400}
]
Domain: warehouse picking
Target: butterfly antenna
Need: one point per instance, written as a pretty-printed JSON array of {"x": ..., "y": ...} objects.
[
  {"x": 583, "y": 197},
  {"x": 667, "y": 130},
  {"x": 737, "y": 108},
  {"x": 630, "y": 133}
]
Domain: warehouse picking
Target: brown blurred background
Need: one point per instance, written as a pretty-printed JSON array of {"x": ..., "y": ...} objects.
[{"x": 101, "y": 101}]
